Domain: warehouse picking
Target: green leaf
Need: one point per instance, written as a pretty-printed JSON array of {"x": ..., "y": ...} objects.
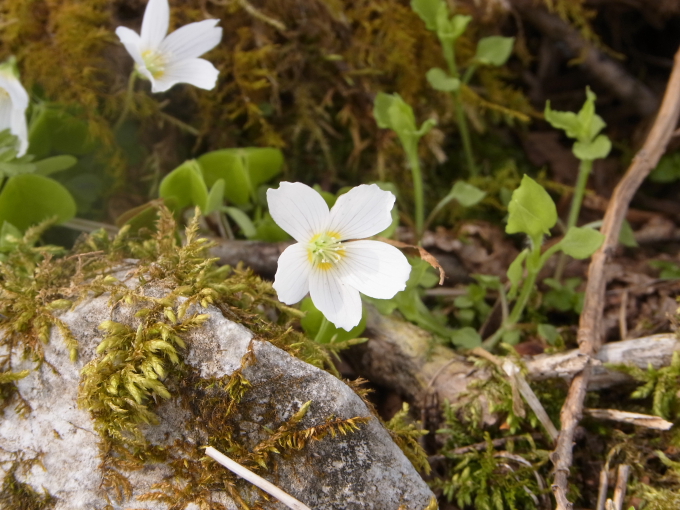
[
  {"x": 242, "y": 220},
  {"x": 12, "y": 168},
  {"x": 591, "y": 123},
  {"x": 425, "y": 128},
  {"x": 10, "y": 236},
  {"x": 56, "y": 130},
  {"x": 548, "y": 332},
  {"x": 668, "y": 270},
  {"x": 440, "y": 80},
  {"x": 668, "y": 169},
  {"x": 29, "y": 199},
  {"x": 381, "y": 110},
  {"x": 583, "y": 126},
  {"x": 566, "y": 121},
  {"x": 627, "y": 236},
  {"x": 516, "y": 271},
  {"x": 186, "y": 186},
  {"x": 511, "y": 337},
  {"x": 466, "y": 194},
  {"x": 311, "y": 323},
  {"x": 262, "y": 163},
  {"x": 268, "y": 230},
  {"x": 448, "y": 30},
  {"x": 215, "y": 197},
  {"x": 54, "y": 164},
  {"x": 466, "y": 338},
  {"x": 228, "y": 165},
  {"x": 581, "y": 243},
  {"x": 402, "y": 118},
  {"x": 427, "y": 10},
  {"x": 494, "y": 50},
  {"x": 598, "y": 148},
  {"x": 243, "y": 170},
  {"x": 531, "y": 210}
]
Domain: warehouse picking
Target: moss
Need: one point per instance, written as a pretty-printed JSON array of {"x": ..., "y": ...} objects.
[
  {"x": 16, "y": 495},
  {"x": 137, "y": 368},
  {"x": 295, "y": 74}
]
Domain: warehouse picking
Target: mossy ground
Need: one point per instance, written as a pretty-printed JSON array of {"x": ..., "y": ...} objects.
[{"x": 134, "y": 370}]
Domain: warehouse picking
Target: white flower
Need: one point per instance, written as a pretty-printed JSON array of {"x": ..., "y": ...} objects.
[
  {"x": 327, "y": 261},
  {"x": 13, "y": 104},
  {"x": 166, "y": 61}
]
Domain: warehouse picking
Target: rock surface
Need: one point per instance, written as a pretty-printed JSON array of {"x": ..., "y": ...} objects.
[{"x": 360, "y": 470}]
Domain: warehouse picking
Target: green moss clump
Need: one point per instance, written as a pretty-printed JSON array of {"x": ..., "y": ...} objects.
[{"x": 16, "y": 495}]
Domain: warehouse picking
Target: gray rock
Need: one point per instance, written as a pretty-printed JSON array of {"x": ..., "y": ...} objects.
[{"x": 362, "y": 469}]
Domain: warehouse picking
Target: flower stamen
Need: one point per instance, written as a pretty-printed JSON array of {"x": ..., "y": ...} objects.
[
  {"x": 154, "y": 62},
  {"x": 325, "y": 250}
]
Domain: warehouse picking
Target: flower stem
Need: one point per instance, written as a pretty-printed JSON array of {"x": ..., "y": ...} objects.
[
  {"x": 450, "y": 57},
  {"x": 323, "y": 329},
  {"x": 579, "y": 191},
  {"x": 418, "y": 197},
  {"x": 533, "y": 264},
  {"x": 176, "y": 122},
  {"x": 128, "y": 100}
]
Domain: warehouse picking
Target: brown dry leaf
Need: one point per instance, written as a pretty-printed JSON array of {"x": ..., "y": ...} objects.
[{"x": 424, "y": 254}]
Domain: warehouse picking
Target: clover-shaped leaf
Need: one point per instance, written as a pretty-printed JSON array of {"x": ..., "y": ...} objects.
[
  {"x": 581, "y": 243},
  {"x": 427, "y": 10},
  {"x": 531, "y": 210},
  {"x": 596, "y": 149},
  {"x": 494, "y": 50},
  {"x": 440, "y": 80}
]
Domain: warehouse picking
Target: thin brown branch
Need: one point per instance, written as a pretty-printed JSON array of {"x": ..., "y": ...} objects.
[
  {"x": 621, "y": 484},
  {"x": 590, "y": 326}
]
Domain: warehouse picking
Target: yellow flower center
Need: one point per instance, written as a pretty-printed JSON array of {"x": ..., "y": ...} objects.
[
  {"x": 154, "y": 63},
  {"x": 325, "y": 250}
]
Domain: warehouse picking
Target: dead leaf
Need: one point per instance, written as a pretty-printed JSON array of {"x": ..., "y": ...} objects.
[{"x": 424, "y": 254}]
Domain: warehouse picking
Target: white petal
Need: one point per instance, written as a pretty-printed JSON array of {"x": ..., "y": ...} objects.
[
  {"x": 155, "y": 24},
  {"x": 375, "y": 268},
  {"x": 196, "y": 71},
  {"x": 132, "y": 42},
  {"x": 362, "y": 212},
  {"x": 292, "y": 275},
  {"x": 13, "y": 110},
  {"x": 298, "y": 209},
  {"x": 339, "y": 302},
  {"x": 5, "y": 112},
  {"x": 20, "y": 130},
  {"x": 192, "y": 40}
]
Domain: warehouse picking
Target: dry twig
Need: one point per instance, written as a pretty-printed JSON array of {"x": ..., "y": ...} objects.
[
  {"x": 590, "y": 326},
  {"x": 256, "y": 480}
]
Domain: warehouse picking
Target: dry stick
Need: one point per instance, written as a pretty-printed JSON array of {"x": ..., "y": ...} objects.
[
  {"x": 256, "y": 480},
  {"x": 590, "y": 326},
  {"x": 637, "y": 419},
  {"x": 621, "y": 484},
  {"x": 604, "y": 487}
]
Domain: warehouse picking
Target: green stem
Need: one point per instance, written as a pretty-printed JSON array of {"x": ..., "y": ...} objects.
[
  {"x": 176, "y": 122},
  {"x": 464, "y": 134},
  {"x": 323, "y": 329},
  {"x": 579, "y": 191},
  {"x": 129, "y": 95},
  {"x": 533, "y": 264},
  {"x": 450, "y": 57},
  {"x": 418, "y": 195}
]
